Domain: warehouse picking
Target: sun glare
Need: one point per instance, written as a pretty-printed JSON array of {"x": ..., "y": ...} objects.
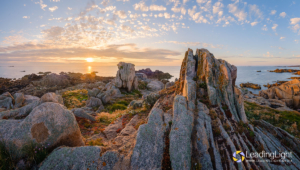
[{"x": 89, "y": 60}]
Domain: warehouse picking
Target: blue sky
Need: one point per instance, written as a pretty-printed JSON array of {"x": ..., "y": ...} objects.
[{"x": 149, "y": 32}]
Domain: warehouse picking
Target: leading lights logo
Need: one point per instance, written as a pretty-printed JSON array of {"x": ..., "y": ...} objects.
[{"x": 242, "y": 156}]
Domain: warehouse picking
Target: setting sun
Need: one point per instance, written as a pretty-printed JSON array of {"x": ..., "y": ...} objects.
[{"x": 89, "y": 60}]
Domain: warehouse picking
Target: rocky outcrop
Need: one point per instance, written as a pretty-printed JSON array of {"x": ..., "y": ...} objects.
[
  {"x": 80, "y": 113},
  {"x": 111, "y": 92},
  {"x": 141, "y": 76},
  {"x": 126, "y": 77},
  {"x": 6, "y": 101},
  {"x": 30, "y": 99},
  {"x": 149, "y": 147},
  {"x": 250, "y": 85},
  {"x": 89, "y": 157},
  {"x": 19, "y": 100},
  {"x": 52, "y": 97},
  {"x": 48, "y": 124},
  {"x": 157, "y": 74},
  {"x": 169, "y": 84},
  {"x": 288, "y": 92},
  {"x": 155, "y": 85}
]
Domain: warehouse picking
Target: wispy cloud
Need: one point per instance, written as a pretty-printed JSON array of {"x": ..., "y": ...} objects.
[
  {"x": 52, "y": 9},
  {"x": 193, "y": 44}
]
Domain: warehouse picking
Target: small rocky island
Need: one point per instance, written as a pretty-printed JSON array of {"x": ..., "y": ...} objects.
[
  {"x": 250, "y": 85},
  {"x": 133, "y": 122}
]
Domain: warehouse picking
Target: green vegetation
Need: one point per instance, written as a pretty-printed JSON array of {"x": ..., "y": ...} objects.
[
  {"x": 134, "y": 93},
  {"x": 287, "y": 120},
  {"x": 35, "y": 154},
  {"x": 143, "y": 85},
  {"x": 96, "y": 142},
  {"x": 203, "y": 85},
  {"x": 75, "y": 98},
  {"x": 119, "y": 105}
]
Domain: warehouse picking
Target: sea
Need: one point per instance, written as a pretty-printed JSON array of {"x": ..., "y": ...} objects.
[{"x": 244, "y": 73}]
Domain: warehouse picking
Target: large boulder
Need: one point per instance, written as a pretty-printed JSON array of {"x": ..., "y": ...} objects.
[
  {"x": 155, "y": 85},
  {"x": 19, "y": 100},
  {"x": 88, "y": 157},
  {"x": 52, "y": 97},
  {"x": 126, "y": 76},
  {"x": 112, "y": 92},
  {"x": 93, "y": 102},
  {"x": 6, "y": 100},
  {"x": 93, "y": 92},
  {"x": 48, "y": 124},
  {"x": 30, "y": 99},
  {"x": 288, "y": 92},
  {"x": 19, "y": 112},
  {"x": 80, "y": 113}
]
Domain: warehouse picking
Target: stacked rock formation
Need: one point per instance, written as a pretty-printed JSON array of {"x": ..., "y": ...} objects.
[
  {"x": 288, "y": 92},
  {"x": 126, "y": 77}
]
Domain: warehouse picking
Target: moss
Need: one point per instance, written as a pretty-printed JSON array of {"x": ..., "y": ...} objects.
[
  {"x": 96, "y": 142},
  {"x": 287, "y": 120},
  {"x": 75, "y": 98},
  {"x": 115, "y": 106}
]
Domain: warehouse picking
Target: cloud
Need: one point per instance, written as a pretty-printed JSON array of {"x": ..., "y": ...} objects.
[
  {"x": 253, "y": 23},
  {"x": 294, "y": 20},
  {"x": 53, "y": 32},
  {"x": 69, "y": 8},
  {"x": 123, "y": 0},
  {"x": 157, "y": 8},
  {"x": 193, "y": 44},
  {"x": 282, "y": 14},
  {"x": 42, "y": 25},
  {"x": 121, "y": 14},
  {"x": 52, "y": 9},
  {"x": 268, "y": 55},
  {"x": 274, "y": 27},
  {"x": 239, "y": 13},
  {"x": 273, "y": 12},
  {"x": 296, "y": 41},
  {"x": 31, "y": 52},
  {"x": 55, "y": 0},
  {"x": 41, "y": 4},
  {"x": 282, "y": 38},
  {"x": 256, "y": 11},
  {"x": 140, "y": 6},
  {"x": 217, "y": 8},
  {"x": 26, "y": 17},
  {"x": 264, "y": 28}
]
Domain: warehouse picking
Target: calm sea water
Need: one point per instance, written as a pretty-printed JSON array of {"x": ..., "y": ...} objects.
[{"x": 245, "y": 73}]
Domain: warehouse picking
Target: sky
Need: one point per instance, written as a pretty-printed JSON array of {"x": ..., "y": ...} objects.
[{"x": 149, "y": 32}]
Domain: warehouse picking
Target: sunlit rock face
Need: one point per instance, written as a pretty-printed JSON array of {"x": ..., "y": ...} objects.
[
  {"x": 125, "y": 77},
  {"x": 288, "y": 92}
]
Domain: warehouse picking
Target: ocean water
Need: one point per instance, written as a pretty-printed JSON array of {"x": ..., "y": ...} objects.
[{"x": 244, "y": 74}]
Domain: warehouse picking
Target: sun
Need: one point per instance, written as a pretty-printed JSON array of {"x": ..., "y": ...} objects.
[{"x": 89, "y": 60}]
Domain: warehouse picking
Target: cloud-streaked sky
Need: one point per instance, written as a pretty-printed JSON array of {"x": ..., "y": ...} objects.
[{"x": 149, "y": 32}]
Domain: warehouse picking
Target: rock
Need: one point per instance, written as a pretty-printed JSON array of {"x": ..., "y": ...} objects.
[
  {"x": 169, "y": 84},
  {"x": 136, "y": 104},
  {"x": 288, "y": 92},
  {"x": 30, "y": 99},
  {"x": 155, "y": 74},
  {"x": 250, "y": 85},
  {"x": 110, "y": 94},
  {"x": 151, "y": 98},
  {"x": 180, "y": 135},
  {"x": 93, "y": 92},
  {"x": 93, "y": 102},
  {"x": 52, "y": 97},
  {"x": 111, "y": 130},
  {"x": 126, "y": 77},
  {"x": 48, "y": 124},
  {"x": 19, "y": 100},
  {"x": 6, "y": 101},
  {"x": 53, "y": 80},
  {"x": 155, "y": 85},
  {"x": 141, "y": 76},
  {"x": 87, "y": 157},
  {"x": 19, "y": 112},
  {"x": 80, "y": 113},
  {"x": 149, "y": 147}
]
